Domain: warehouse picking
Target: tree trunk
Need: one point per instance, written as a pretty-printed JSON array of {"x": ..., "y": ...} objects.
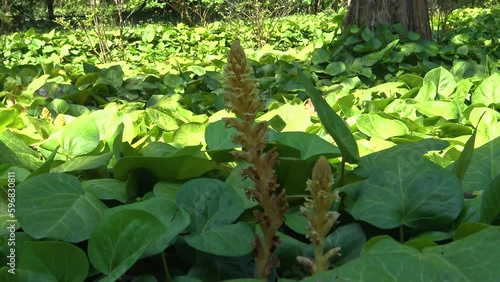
[
  {"x": 50, "y": 9},
  {"x": 315, "y": 6},
  {"x": 412, "y": 14}
]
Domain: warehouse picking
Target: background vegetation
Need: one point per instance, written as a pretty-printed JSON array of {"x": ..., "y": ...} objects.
[{"x": 113, "y": 119}]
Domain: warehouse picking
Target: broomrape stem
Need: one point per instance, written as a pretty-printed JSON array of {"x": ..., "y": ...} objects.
[
  {"x": 242, "y": 98},
  {"x": 165, "y": 267}
]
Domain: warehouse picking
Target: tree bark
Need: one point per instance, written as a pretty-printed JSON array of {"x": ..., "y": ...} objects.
[
  {"x": 315, "y": 6},
  {"x": 412, "y": 14},
  {"x": 50, "y": 10}
]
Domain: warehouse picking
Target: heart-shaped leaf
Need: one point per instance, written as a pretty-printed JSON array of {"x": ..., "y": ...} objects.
[
  {"x": 226, "y": 240},
  {"x": 63, "y": 261},
  {"x": 213, "y": 206},
  {"x": 120, "y": 239},
  {"x": 106, "y": 189},
  {"x": 174, "y": 219},
  {"x": 487, "y": 92},
  {"x": 63, "y": 210},
  {"x": 209, "y": 202},
  {"x": 438, "y": 81},
  {"x": 376, "y": 126},
  {"x": 405, "y": 189}
]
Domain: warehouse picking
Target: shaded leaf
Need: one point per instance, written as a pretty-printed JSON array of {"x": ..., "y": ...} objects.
[
  {"x": 106, "y": 189},
  {"x": 478, "y": 247},
  {"x": 386, "y": 260},
  {"x": 165, "y": 168},
  {"x": 173, "y": 218},
  {"x": 462, "y": 163},
  {"x": 63, "y": 210},
  {"x": 333, "y": 124},
  {"x": 120, "y": 239},
  {"x": 484, "y": 166},
  {"x": 226, "y": 240},
  {"x": 405, "y": 189},
  {"x": 309, "y": 146},
  {"x": 490, "y": 203},
  {"x": 65, "y": 262},
  {"x": 209, "y": 202},
  {"x": 350, "y": 238}
]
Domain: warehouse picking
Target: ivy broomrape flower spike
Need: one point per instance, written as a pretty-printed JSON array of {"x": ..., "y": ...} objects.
[
  {"x": 242, "y": 98},
  {"x": 321, "y": 219}
]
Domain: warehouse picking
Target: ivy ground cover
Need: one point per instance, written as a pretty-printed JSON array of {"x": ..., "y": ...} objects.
[{"x": 126, "y": 172}]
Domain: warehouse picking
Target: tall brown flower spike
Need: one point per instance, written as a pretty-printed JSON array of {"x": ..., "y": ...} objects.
[
  {"x": 321, "y": 219},
  {"x": 242, "y": 98}
]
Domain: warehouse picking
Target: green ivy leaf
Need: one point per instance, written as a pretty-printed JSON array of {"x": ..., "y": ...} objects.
[
  {"x": 438, "y": 81},
  {"x": 445, "y": 109},
  {"x": 120, "y": 239},
  {"x": 162, "y": 120},
  {"x": 173, "y": 218},
  {"x": 295, "y": 117},
  {"x": 405, "y": 189},
  {"x": 209, "y": 202},
  {"x": 148, "y": 34},
  {"x": 79, "y": 137},
  {"x": 197, "y": 70},
  {"x": 65, "y": 262},
  {"x": 335, "y": 68},
  {"x": 479, "y": 247},
  {"x": 487, "y": 92},
  {"x": 376, "y": 126},
  {"x": 219, "y": 141},
  {"x": 226, "y": 240},
  {"x": 172, "y": 80},
  {"x": 308, "y": 146},
  {"x": 165, "y": 168},
  {"x": 7, "y": 117},
  {"x": 213, "y": 206},
  {"x": 350, "y": 238},
  {"x": 320, "y": 56},
  {"x": 84, "y": 163},
  {"x": 63, "y": 210},
  {"x": 106, "y": 189},
  {"x": 190, "y": 134},
  {"x": 385, "y": 260}
]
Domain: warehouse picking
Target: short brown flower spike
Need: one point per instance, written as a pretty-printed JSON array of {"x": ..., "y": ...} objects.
[{"x": 321, "y": 218}]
